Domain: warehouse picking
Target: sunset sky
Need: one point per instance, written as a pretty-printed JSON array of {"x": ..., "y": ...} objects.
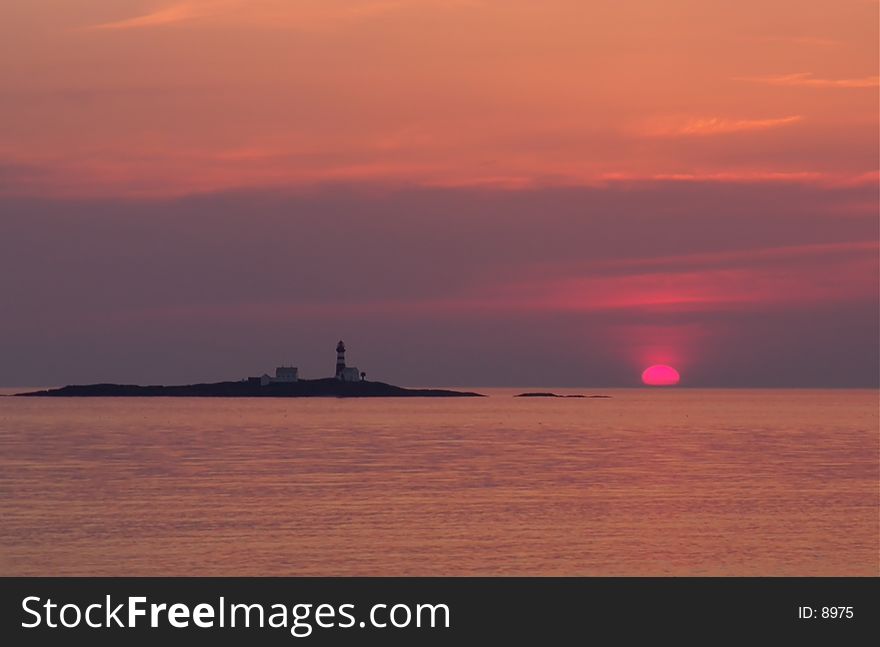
[{"x": 471, "y": 192}]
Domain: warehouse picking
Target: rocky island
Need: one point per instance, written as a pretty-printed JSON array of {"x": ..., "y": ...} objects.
[
  {"x": 348, "y": 382},
  {"x": 326, "y": 387},
  {"x": 556, "y": 395}
]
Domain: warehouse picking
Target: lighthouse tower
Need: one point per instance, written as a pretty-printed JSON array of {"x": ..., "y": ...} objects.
[
  {"x": 345, "y": 373},
  {"x": 340, "y": 360}
]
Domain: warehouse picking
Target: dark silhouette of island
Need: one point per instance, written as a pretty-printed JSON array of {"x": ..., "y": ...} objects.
[
  {"x": 349, "y": 382},
  {"x": 556, "y": 395},
  {"x": 326, "y": 387}
]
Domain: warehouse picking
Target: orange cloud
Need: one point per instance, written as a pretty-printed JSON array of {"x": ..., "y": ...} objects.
[
  {"x": 167, "y": 16},
  {"x": 274, "y": 13},
  {"x": 432, "y": 92},
  {"x": 803, "y": 40},
  {"x": 806, "y": 79},
  {"x": 697, "y": 127}
]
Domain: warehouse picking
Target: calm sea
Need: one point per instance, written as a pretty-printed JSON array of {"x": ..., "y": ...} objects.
[{"x": 647, "y": 482}]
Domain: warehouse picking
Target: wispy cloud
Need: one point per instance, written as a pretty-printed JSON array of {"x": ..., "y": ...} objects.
[
  {"x": 275, "y": 13},
  {"x": 820, "y": 253},
  {"x": 769, "y": 278},
  {"x": 701, "y": 126},
  {"x": 806, "y": 79},
  {"x": 733, "y": 176},
  {"x": 166, "y": 16},
  {"x": 801, "y": 40}
]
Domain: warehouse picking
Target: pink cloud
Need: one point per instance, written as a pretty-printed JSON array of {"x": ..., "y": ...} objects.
[
  {"x": 745, "y": 257},
  {"x": 768, "y": 278},
  {"x": 734, "y": 176}
]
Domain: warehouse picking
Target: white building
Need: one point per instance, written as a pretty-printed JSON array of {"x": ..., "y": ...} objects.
[
  {"x": 283, "y": 375},
  {"x": 286, "y": 374},
  {"x": 349, "y": 374}
]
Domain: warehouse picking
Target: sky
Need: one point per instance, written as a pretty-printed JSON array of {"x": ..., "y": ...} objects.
[{"x": 468, "y": 192}]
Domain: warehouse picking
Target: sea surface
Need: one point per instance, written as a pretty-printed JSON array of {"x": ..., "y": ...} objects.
[{"x": 646, "y": 482}]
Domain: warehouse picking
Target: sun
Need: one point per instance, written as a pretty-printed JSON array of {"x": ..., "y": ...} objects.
[{"x": 660, "y": 375}]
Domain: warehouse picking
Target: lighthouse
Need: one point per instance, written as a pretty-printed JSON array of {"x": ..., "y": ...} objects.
[
  {"x": 340, "y": 359},
  {"x": 345, "y": 373}
]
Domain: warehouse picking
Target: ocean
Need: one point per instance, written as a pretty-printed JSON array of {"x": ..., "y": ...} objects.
[{"x": 666, "y": 482}]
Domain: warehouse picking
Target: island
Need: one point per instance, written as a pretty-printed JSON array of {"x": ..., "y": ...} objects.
[
  {"x": 348, "y": 382},
  {"x": 556, "y": 395},
  {"x": 325, "y": 387}
]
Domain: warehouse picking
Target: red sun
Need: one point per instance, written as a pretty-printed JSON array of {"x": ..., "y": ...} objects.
[{"x": 660, "y": 375}]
